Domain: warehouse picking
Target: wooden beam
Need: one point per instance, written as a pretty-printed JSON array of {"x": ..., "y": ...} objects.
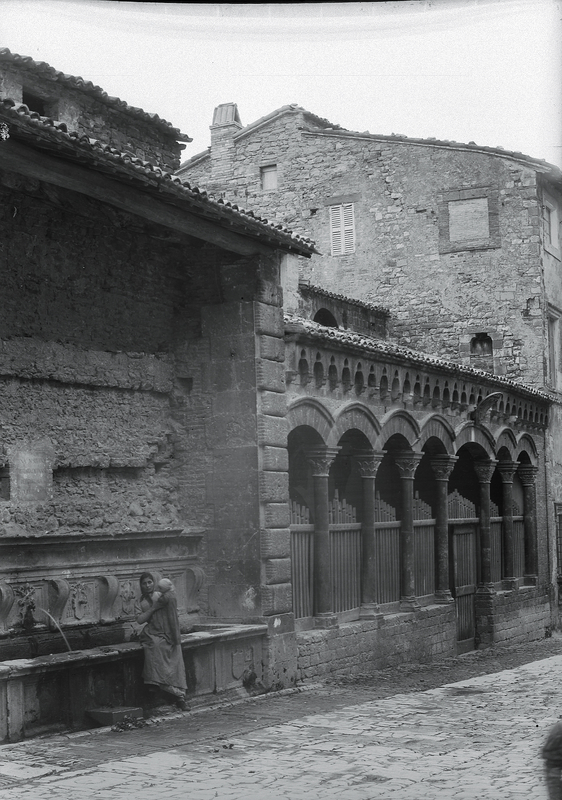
[{"x": 42, "y": 166}]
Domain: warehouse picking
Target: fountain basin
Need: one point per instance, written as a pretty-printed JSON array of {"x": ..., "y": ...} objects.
[{"x": 53, "y": 692}]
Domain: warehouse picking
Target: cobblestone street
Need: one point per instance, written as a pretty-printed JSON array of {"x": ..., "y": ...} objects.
[{"x": 478, "y": 738}]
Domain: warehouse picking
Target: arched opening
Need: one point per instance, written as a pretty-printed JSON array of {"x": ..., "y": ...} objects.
[{"x": 325, "y": 317}]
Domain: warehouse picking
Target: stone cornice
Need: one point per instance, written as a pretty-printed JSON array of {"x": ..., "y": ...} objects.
[{"x": 305, "y": 330}]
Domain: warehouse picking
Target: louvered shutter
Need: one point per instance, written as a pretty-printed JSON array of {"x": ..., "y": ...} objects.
[
  {"x": 336, "y": 230},
  {"x": 348, "y": 228},
  {"x": 342, "y": 229}
]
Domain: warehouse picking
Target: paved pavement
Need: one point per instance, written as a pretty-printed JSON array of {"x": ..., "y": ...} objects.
[{"x": 474, "y": 740}]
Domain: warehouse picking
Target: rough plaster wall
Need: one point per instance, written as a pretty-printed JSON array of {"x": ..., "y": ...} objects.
[{"x": 96, "y": 309}]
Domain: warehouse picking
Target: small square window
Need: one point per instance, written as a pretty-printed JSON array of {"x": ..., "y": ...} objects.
[{"x": 268, "y": 176}]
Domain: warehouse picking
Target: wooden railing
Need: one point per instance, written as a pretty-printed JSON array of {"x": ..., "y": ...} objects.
[
  {"x": 302, "y": 560},
  {"x": 345, "y": 555},
  {"x": 387, "y": 549}
]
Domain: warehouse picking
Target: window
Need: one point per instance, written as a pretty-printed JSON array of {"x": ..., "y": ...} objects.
[
  {"x": 553, "y": 335},
  {"x": 547, "y": 224},
  {"x": 342, "y": 229},
  {"x": 268, "y": 177},
  {"x": 550, "y": 223}
]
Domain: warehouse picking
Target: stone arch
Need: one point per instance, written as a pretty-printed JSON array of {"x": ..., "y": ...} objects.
[
  {"x": 526, "y": 444},
  {"x": 481, "y": 437},
  {"x": 436, "y": 426},
  {"x": 310, "y": 413},
  {"x": 358, "y": 417},
  {"x": 506, "y": 438},
  {"x": 398, "y": 422}
]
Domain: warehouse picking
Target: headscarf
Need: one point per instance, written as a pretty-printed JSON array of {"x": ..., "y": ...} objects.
[
  {"x": 167, "y": 583},
  {"x": 142, "y": 577}
]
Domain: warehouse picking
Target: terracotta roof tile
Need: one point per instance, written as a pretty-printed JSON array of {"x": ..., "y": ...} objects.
[
  {"x": 53, "y": 136},
  {"x": 87, "y": 87},
  {"x": 313, "y": 330}
]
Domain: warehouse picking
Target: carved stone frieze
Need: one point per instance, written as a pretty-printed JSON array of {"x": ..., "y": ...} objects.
[
  {"x": 320, "y": 460},
  {"x": 484, "y": 470},
  {"x": 6, "y": 602},
  {"x": 368, "y": 463},
  {"x": 527, "y": 474},
  {"x": 507, "y": 470},
  {"x": 442, "y": 466},
  {"x": 407, "y": 463}
]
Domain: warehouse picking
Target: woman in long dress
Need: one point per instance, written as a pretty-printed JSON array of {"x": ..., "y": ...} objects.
[{"x": 161, "y": 639}]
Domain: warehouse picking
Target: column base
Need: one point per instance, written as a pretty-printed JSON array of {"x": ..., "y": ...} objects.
[
  {"x": 510, "y": 584},
  {"x": 531, "y": 580},
  {"x": 409, "y": 604},
  {"x": 486, "y": 588},
  {"x": 370, "y": 611},
  {"x": 444, "y": 596},
  {"x": 327, "y": 620}
]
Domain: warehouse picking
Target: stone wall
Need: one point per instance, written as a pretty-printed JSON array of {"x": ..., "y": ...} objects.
[
  {"x": 439, "y": 296},
  {"x": 88, "y": 115},
  {"x": 357, "y": 647}
]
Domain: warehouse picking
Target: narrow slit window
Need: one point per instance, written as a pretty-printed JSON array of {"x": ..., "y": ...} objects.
[
  {"x": 547, "y": 224},
  {"x": 342, "y": 229}
]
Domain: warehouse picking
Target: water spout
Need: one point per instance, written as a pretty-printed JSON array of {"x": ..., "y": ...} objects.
[{"x": 58, "y": 626}]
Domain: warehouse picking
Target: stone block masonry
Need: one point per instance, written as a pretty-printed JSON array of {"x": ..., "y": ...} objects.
[{"x": 356, "y": 647}]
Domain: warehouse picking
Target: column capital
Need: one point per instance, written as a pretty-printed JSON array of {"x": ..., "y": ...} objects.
[
  {"x": 507, "y": 470},
  {"x": 442, "y": 466},
  {"x": 527, "y": 474},
  {"x": 320, "y": 459},
  {"x": 407, "y": 462},
  {"x": 484, "y": 470},
  {"x": 368, "y": 462}
]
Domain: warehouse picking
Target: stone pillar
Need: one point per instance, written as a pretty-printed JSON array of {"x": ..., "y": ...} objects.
[
  {"x": 484, "y": 471},
  {"x": 442, "y": 466},
  {"x": 407, "y": 463},
  {"x": 527, "y": 474},
  {"x": 320, "y": 460},
  {"x": 368, "y": 464},
  {"x": 507, "y": 471}
]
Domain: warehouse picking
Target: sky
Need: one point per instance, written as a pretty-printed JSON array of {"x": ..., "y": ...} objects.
[{"x": 486, "y": 71}]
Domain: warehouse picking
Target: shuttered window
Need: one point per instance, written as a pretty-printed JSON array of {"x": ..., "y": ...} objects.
[{"x": 342, "y": 229}]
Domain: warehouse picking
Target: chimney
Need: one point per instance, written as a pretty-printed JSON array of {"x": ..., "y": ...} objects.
[{"x": 226, "y": 123}]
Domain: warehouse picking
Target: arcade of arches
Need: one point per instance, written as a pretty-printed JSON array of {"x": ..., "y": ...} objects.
[{"x": 392, "y": 518}]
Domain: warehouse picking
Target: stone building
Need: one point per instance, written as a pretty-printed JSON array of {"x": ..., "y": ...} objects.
[
  {"x": 139, "y": 332},
  {"x": 461, "y": 243},
  {"x": 173, "y": 396}
]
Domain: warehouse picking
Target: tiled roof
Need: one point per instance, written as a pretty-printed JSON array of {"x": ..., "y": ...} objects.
[
  {"x": 310, "y": 288},
  {"x": 292, "y": 108},
  {"x": 44, "y": 133},
  {"x": 365, "y": 344},
  {"x": 323, "y": 127},
  {"x": 87, "y": 87},
  {"x": 535, "y": 163}
]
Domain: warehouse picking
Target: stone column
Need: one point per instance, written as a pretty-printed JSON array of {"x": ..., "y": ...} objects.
[
  {"x": 320, "y": 460},
  {"x": 442, "y": 466},
  {"x": 484, "y": 471},
  {"x": 407, "y": 463},
  {"x": 368, "y": 464},
  {"x": 507, "y": 471},
  {"x": 527, "y": 474}
]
